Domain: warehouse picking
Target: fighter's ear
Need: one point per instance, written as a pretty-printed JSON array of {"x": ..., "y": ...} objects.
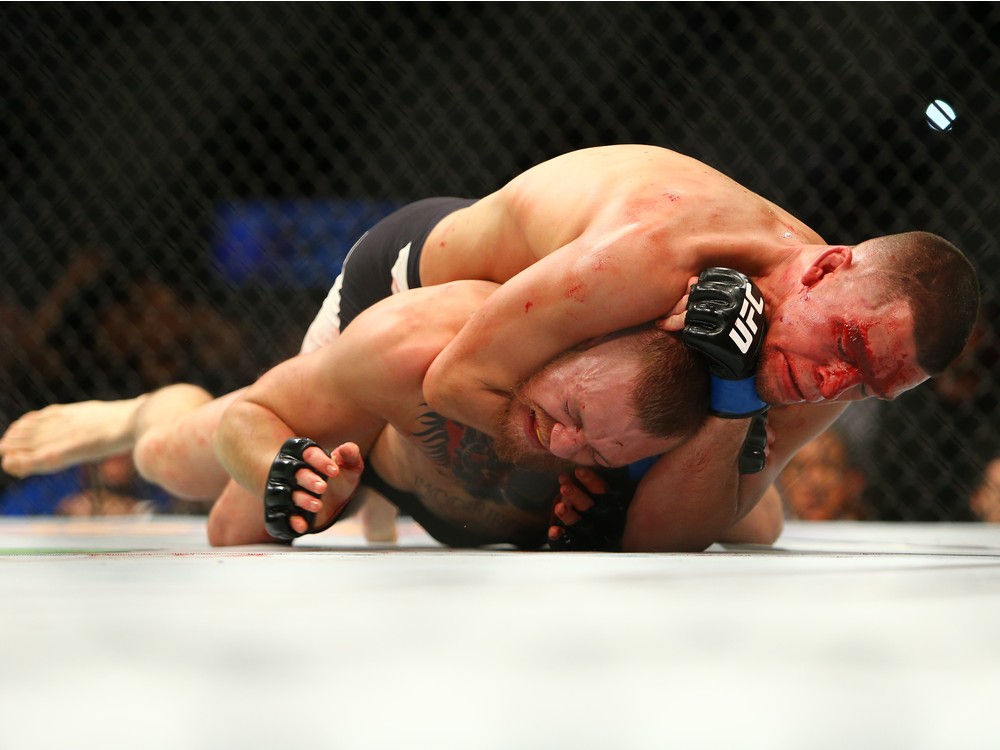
[{"x": 829, "y": 260}]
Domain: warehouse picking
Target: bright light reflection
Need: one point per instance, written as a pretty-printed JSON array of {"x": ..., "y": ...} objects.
[{"x": 940, "y": 115}]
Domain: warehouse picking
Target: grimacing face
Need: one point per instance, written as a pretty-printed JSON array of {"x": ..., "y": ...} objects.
[
  {"x": 830, "y": 342},
  {"x": 576, "y": 411}
]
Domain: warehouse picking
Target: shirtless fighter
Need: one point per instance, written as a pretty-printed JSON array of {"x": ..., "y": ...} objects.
[
  {"x": 607, "y": 238},
  {"x": 603, "y": 239},
  {"x": 639, "y": 394}
]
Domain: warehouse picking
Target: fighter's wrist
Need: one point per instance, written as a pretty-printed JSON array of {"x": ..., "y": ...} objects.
[{"x": 735, "y": 399}]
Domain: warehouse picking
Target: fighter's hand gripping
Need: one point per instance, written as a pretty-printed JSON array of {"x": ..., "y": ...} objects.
[
  {"x": 294, "y": 485},
  {"x": 725, "y": 322},
  {"x": 590, "y": 511}
]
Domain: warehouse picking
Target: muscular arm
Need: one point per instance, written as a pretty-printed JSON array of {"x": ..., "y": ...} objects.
[
  {"x": 315, "y": 395},
  {"x": 694, "y": 496},
  {"x": 350, "y": 389},
  {"x": 589, "y": 243},
  {"x": 585, "y": 289}
]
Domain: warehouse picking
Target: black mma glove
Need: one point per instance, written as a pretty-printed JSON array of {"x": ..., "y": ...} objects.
[
  {"x": 752, "y": 453},
  {"x": 278, "y": 504},
  {"x": 725, "y": 322},
  {"x": 600, "y": 529}
]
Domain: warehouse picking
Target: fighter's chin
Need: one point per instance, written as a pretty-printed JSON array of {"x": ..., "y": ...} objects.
[
  {"x": 767, "y": 392},
  {"x": 772, "y": 382}
]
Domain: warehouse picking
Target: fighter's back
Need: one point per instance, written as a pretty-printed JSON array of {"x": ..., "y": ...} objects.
[{"x": 606, "y": 195}]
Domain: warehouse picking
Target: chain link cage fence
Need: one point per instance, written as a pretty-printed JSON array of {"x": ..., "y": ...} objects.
[{"x": 181, "y": 181}]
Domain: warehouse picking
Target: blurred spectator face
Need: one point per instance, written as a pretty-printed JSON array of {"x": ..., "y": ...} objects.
[
  {"x": 985, "y": 502},
  {"x": 115, "y": 477},
  {"x": 820, "y": 485},
  {"x": 117, "y": 472}
]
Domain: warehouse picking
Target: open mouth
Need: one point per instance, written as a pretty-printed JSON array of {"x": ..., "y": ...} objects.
[
  {"x": 534, "y": 430},
  {"x": 540, "y": 428}
]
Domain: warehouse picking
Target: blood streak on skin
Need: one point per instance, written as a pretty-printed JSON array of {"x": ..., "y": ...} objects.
[
  {"x": 858, "y": 341},
  {"x": 448, "y": 230},
  {"x": 641, "y": 206},
  {"x": 574, "y": 292},
  {"x": 528, "y": 306}
]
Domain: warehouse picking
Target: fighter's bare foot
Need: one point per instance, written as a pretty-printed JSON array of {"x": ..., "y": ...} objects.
[
  {"x": 343, "y": 474},
  {"x": 62, "y": 435}
]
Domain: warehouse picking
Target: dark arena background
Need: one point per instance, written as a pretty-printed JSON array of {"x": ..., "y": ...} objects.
[
  {"x": 179, "y": 184},
  {"x": 181, "y": 181}
]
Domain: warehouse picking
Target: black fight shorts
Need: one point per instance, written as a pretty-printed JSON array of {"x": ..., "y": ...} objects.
[{"x": 386, "y": 260}]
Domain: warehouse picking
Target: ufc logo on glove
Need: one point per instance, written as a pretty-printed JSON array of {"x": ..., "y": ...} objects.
[
  {"x": 725, "y": 322},
  {"x": 745, "y": 327}
]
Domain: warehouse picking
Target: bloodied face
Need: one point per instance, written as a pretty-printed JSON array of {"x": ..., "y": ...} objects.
[{"x": 831, "y": 342}]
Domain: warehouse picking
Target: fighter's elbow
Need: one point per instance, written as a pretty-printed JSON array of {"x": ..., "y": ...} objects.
[
  {"x": 675, "y": 540},
  {"x": 770, "y": 530},
  {"x": 674, "y": 546},
  {"x": 435, "y": 385},
  {"x": 763, "y": 525},
  {"x": 445, "y": 388}
]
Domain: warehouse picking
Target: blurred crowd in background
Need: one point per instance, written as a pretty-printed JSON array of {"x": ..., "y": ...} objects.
[{"x": 180, "y": 184}]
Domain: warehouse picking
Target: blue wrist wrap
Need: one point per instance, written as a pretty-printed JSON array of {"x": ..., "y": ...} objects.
[{"x": 735, "y": 399}]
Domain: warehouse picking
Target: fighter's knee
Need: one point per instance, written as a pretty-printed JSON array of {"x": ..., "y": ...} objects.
[
  {"x": 147, "y": 456},
  {"x": 221, "y": 533},
  {"x": 216, "y": 531},
  {"x": 237, "y": 518},
  {"x": 158, "y": 460}
]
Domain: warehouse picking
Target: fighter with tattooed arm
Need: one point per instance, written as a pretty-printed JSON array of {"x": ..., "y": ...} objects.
[
  {"x": 639, "y": 393},
  {"x": 606, "y": 239}
]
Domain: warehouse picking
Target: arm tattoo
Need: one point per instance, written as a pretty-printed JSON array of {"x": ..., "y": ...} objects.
[{"x": 468, "y": 454}]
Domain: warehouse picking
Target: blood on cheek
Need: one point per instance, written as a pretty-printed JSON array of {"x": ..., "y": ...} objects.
[
  {"x": 837, "y": 369},
  {"x": 886, "y": 370}
]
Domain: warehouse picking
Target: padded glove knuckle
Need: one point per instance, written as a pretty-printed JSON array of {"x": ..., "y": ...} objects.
[
  {"x": 279, "y": 507},
  {"x": 601, "y": 527}
]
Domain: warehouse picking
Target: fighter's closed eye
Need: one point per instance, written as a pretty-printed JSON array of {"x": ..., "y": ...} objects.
[
  {"x": 569, "y": 416},
  {"x": 596, "y": 458},
  {"x": 842, "y": 352}
]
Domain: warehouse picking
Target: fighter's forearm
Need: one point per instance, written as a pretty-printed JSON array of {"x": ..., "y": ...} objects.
[
  {"x": 692, "y": 495},
  {"x": 550, "y": 307},
  {"x": 246, "y": 442},
  {"x": 457, "y": 399}
]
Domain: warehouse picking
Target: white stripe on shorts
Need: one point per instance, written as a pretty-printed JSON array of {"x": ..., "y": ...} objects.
[
  {"x": 399, "y": 283},
  {"x": 326, "y": 325}
]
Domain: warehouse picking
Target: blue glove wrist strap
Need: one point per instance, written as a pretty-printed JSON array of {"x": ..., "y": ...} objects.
[{"x": 735, "y": 399}]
